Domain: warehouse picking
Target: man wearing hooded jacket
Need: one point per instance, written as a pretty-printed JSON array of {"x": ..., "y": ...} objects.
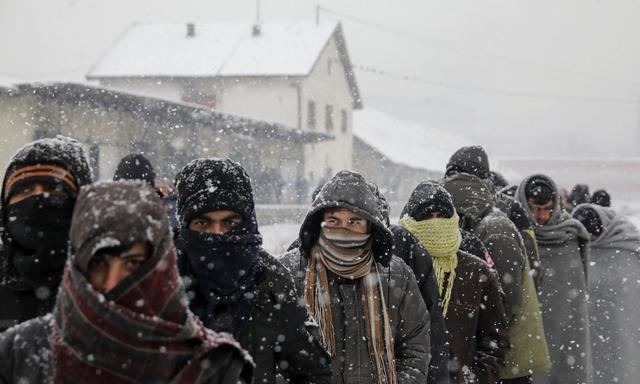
[
  {"x": 38, "y": 195},
  {"x": 370, "y": 311},
  {"x": 236, "y": 286},
  {"x": 564, "y": 252},
  {"x": 467, "y": 180}
]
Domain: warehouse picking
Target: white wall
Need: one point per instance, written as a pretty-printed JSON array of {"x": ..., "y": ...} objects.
[
  {"x": 324, "y": 88},
  {"x": 16, "y": 126}
]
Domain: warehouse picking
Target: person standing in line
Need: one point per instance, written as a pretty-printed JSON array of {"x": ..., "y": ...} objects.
[
  {"x": 477, "y": 327},
  {"x": 614, "y": 307},
  {"x": 121, "y": 314},
  {"x": 39, "y": 191},
  {"x": 371, "y": 314},
  {"x": 235, "y": 286},
  {"x": 474, "y": 197},
  {"x": 563, "y": 243},
  {"x": 409, "y": 249}
]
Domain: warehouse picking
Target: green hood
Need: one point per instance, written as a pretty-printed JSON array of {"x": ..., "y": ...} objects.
[{"x": 472, "y": 196}]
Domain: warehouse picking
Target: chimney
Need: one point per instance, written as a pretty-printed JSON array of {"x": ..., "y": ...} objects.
[
  {"x": 191, "y": 29},
  {"x": 256, "y": 30}
]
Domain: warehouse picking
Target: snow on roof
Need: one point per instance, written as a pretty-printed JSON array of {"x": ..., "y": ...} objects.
[
  {"x": 220, "y": 49},
  {"x": 406, "y": 142}
]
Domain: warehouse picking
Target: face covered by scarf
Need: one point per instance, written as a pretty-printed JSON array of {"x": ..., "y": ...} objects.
[
  {"x": 141, "y": 330},
  {"x": 39, "y": 230},
  {"x": 349, "y": 255},
  {"x": 224, "y": 264},
  {"x": 441, "y": 237}
]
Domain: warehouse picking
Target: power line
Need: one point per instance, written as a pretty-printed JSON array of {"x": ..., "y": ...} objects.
[
  {"x": 503, "y": 92},
  {"x": 466, "y": 51}
]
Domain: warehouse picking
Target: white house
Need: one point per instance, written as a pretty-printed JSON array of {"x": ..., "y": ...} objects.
[{"x": 297, "y": 74}]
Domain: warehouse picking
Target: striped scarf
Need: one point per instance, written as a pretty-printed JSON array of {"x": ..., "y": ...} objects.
[
  {"x": 349, "y": 255},
  {"x": 144, "y": 335},
  {"x": 441, "y": 237}
]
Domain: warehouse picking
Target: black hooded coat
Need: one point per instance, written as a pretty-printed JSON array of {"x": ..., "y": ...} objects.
[{"x": 22, "y": 299}]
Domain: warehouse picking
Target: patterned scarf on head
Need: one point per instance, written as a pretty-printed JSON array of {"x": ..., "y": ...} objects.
[
  {"x": 349, "y": 255},
  {"x": 441, "y": 237}
]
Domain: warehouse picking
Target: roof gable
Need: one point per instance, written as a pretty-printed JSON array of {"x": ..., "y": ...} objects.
[{"x": 223, "y": 50}]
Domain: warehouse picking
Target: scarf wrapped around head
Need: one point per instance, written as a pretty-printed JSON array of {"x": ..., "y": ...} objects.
[
  {"x": 441, "y": 237},
  {"x": 349, "y": 255},
  {"x": 141, "y": 330}
]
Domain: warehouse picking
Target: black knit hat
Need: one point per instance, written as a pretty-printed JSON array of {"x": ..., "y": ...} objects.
[
  {"x": 590, "y": 219},
  {"x": 213, "y": 184},
  {"x": 540, "y": 190},
  {"x": 472, "y": 160},
  {"x": 579, "y": 194},
  {"x": 498, "y": 180},
  {"x": 60, "y": 151},
  {"x": 135, "y": 167},
  {"x": 601, "y": 197},
  {"x": 427, "y": 198}
]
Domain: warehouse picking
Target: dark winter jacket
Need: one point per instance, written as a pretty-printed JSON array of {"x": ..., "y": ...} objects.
[
  {"x": 476, "y": 322},
  {"x": 518, "y": 216},
  {"x": 409, "y": 249},
  {"x": 564, "y": 251},
  {"x": 475, "y": 201},
  {"x": 280, "y": 333},
  {"x": 21, "y": 300},
  {"x": 614, "y": 304},
  {"x": 408, "y": 313}
]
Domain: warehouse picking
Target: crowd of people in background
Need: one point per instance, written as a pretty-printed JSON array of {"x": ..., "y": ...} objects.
[{"x": 478, "y": 281}]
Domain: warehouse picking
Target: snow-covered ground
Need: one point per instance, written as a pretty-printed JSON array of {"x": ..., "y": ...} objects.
[{"x": 278, "y": 237}]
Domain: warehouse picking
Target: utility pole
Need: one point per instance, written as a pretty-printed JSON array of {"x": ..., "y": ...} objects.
[{"x": 317, "y": 14}]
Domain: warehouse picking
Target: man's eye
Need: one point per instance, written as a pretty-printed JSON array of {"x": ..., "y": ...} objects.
[{"x": 134, "y": 264}]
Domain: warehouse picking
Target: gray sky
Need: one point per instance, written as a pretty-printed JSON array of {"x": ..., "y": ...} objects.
[{"x": 526, "y": 77}]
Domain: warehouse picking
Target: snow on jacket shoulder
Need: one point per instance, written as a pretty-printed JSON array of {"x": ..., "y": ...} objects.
[{"x": 25, "y": 352}]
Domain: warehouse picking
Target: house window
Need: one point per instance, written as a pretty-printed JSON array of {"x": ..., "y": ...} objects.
[
  {"x": 328, "y": 118},
  {"x": 344, "y": 121},
  {"x": 311, "y": 115}
]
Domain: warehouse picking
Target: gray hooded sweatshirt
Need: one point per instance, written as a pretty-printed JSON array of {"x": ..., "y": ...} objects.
[
  {"x": 614, "y": 307},
  {"x": 564, "y": 251}
]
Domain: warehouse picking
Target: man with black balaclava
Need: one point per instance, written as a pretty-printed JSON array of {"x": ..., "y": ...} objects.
[
  {"x": 38, "y": 195},
  {"x": 235, "y": 285}
]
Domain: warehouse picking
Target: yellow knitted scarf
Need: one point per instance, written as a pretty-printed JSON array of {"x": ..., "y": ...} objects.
[{"x": 441, "y": 237}]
